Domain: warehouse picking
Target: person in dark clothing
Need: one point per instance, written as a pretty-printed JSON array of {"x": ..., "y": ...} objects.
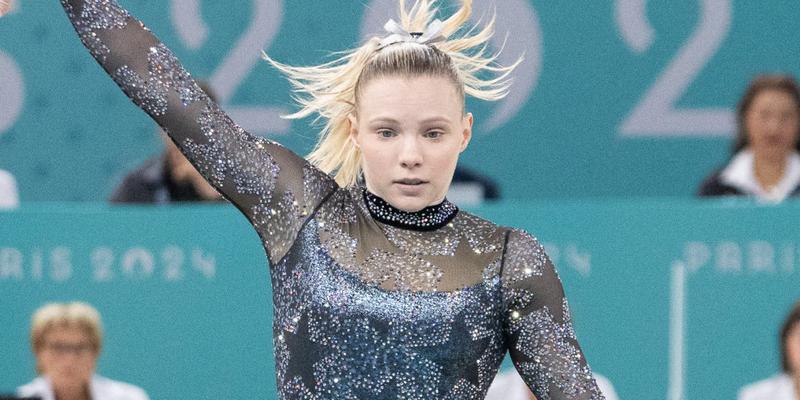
[
  {"x": 765, "y": 161},
  {"x": 470, "y": 188},
  {"x": 166, "y": 178}
]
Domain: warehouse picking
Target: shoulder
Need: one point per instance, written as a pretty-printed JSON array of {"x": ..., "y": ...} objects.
[
  {"x": 713, "y": 185},
  {"x": 106, "y": 388},
  {"x": 524, "y": 247},
  {"x": 776, "y": 387},
  {"x": 37, "y": 387},
  {"x": 525, "y": 257},
  {"x": 480, "y": 230}
]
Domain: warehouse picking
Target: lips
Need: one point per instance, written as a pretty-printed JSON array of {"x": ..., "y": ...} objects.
[{"x": 410, "y": 181}]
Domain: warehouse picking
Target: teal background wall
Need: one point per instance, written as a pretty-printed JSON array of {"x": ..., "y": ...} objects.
[
  {"x": 615, "y": 98},
  {"x": 187, "y": 306}
]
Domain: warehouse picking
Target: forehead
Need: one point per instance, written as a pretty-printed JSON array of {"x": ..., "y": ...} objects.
[
  {"x": 66, "y": 333},
  {"x": 410, "y": 97},
  {"x": 774, "y": 98}
]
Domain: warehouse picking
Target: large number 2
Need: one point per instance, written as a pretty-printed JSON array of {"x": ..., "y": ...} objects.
[
  {"x": 239, "y": 62},
  {"x": 12, "y": 92},
  {"x": 516, "y": 16},
  {"x": 656, "y": 114}
]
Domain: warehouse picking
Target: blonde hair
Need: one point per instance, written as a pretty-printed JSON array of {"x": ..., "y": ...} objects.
[
  {"x": 57, "y": 315},
  {"x": 331, "y": 90}
]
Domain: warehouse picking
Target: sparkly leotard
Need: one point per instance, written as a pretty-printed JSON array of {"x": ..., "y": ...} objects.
[{"x": 369, "y": 302}]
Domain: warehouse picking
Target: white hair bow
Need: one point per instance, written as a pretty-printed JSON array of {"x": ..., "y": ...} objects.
[{"x": 432, "y": 34}]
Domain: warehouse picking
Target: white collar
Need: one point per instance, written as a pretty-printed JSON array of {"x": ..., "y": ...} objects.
[{"x": 740, "y": 173}]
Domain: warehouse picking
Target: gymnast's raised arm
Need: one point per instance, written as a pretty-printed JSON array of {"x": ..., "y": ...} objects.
[{"x": 276, "y": 189}]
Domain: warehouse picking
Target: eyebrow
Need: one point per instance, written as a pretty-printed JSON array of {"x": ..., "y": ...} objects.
[{"x": 394, "y": 121}]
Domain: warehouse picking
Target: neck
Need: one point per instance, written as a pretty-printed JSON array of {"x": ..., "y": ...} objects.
[
  {"x": 428, "y": 219},
  {"x": 768, "y": 170},
  {"x": 81, "y": 393}
]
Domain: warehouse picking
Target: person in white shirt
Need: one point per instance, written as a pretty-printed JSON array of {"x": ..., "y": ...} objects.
[
  {"x": 9, "y": 198},
  {"x": 66, "y": 340},
  {"x": 510, "y": 386},
  {"x": 785, "y": 385},
  {"x": 765, "y": 162}
]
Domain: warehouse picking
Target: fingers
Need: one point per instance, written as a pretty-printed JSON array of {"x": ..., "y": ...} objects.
[{"x": 5, "y": 7}]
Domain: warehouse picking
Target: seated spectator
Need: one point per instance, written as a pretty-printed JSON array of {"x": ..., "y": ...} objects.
[
  {"x": 470, "y": 188},
  {"x": 509, "y": 385},
  {"x": 8, "y": 191},
  {"x": 166, "y": 178},
  {"x": 765, "y": 162},
  {"x": 66, "y": 340},
  {"x": 785, "y": 385}
]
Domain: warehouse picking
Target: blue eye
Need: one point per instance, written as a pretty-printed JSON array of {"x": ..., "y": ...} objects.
[
  {"x": 385, "y": 133},
  {"x": 434, "y": 134}
]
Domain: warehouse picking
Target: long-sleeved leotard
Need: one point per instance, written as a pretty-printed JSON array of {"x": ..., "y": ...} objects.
[{"x": 369, "y": 302}]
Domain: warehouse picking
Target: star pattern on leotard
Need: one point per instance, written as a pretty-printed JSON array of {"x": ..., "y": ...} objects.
[
  {"x": 555, "y": 364},
  {"x": 361, "y": 310}
]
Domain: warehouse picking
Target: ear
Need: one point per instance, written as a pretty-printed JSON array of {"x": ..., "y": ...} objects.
[
  {"x": 467, "y": 133},
  {"x": 351, "y": 118}
]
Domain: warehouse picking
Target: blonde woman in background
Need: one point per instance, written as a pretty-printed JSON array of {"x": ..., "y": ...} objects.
[
  {"x": 784, "y": 385},
  {"x": 66, "y": 340},
  {"x": 382, "y": 288}
]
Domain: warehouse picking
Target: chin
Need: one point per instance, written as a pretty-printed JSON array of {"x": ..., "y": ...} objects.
[
  {"x": 411, "y": 206},
  {"x": 408, "y": 203}
]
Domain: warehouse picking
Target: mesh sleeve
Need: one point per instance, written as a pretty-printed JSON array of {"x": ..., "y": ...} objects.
[
  {"x": 539, "y": 330},
  {"x": 275, "y": 189}
]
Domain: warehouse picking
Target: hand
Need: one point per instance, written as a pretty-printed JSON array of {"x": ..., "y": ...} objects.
[{"x": 6, "y": 6}]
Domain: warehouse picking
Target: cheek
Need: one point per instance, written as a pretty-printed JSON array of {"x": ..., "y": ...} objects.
[
  {"x": 372, "y": 161},
  {"x": 793, "y": 349},
  {"x": 377, "y": 153},
  {"x": 89, "y": 366},
  {"x": 752, "y": 128},
  {"x": 448, "y": 158},
  {"x": 44, "y": 362},
  {"x": 793, "y": 130}
]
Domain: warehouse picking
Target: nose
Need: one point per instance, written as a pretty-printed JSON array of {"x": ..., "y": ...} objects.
[
  {"x": 773, "y": 125},
  {"x": 410, "y": 152}
]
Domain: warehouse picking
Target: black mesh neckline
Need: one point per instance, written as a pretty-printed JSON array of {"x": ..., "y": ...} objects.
[{"x": 428, "y": 219}]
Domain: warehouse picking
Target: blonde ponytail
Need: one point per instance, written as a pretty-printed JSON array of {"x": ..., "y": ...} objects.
[{"x": 331, "y": 90}]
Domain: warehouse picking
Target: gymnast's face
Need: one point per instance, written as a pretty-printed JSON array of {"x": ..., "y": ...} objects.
[{"x": 410, "y": 132}]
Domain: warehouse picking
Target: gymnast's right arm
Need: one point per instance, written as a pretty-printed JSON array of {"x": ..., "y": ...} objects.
[{"x": 276, "y": 189}]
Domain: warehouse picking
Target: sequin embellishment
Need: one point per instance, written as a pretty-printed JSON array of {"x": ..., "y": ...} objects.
[
  {"x": 95, "y": 15},
  {"x": 369, "y": 301},
  {"x": 542, "y": 338}
]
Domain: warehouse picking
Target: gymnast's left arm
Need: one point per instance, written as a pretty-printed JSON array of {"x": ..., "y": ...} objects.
[{"x": 540, "y": 336}]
